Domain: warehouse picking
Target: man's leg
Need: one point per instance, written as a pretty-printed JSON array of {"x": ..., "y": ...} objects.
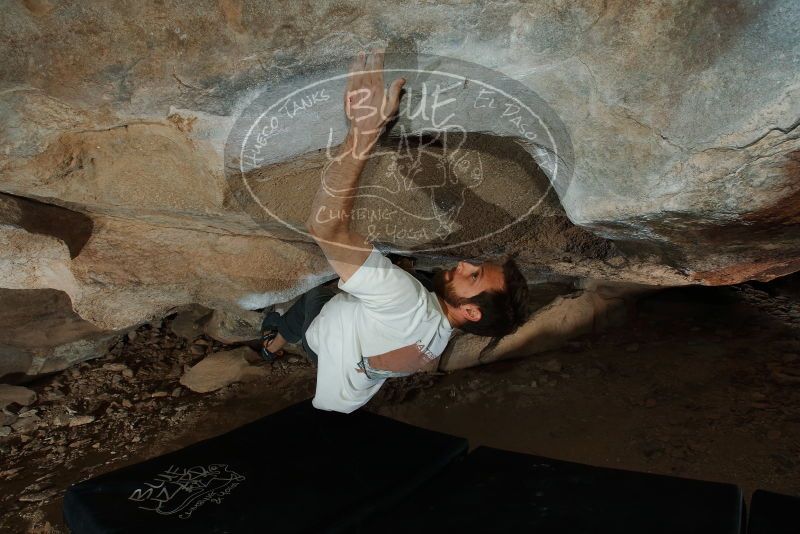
[
  {"x": 289, "y": 325},
  {"x": 315, "y": 300},
  {"x": 292, "y": 325}
]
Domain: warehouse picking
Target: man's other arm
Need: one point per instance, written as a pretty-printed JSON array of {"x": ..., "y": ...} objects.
[
  {"x": 369, "y": 108},
  {"x": 329, "y": 223}
]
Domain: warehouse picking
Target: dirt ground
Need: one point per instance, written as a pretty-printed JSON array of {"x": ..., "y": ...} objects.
[{"x": 702, "y": 383}]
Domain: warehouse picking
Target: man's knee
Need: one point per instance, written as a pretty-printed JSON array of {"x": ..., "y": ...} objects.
[{"x": 321, "y": 291}]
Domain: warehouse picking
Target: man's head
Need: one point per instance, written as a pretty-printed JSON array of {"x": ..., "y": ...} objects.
[{"x": 488, "y": 299}]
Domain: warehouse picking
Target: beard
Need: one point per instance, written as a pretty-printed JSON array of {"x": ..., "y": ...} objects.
[{"x": 444, "y": 288}]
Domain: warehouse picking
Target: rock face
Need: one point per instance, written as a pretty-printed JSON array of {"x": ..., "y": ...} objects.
[
  {"x": 40, "y": 333},
  {"x": 678, "y": 122}
]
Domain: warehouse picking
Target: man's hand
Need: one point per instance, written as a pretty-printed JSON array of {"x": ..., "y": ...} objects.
[
  {"x": 369, "y": 109},
  {"x": 368, "y": 106}
]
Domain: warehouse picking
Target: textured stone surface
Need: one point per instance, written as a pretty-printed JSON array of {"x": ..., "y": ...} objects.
[
  {"x": 40, "y": 333},
  {"x": 682, "y": 116},
  {"x": 131, "y": 271}
]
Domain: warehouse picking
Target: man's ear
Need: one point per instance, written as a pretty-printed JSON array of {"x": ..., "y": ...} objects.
[{"x": 471, "y": 312}]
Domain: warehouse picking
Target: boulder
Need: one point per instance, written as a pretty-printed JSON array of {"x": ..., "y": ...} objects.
[
  {"x": 674, "y": 156},
  {"x": 229, "y": 328},
  {"x": 40, "y": 333},
  {"x": 189, "y": 322},
  {"x": 220, "y": 369},
  {"x": 27, "y": 424},
  {"x": 16, "y": 395}
]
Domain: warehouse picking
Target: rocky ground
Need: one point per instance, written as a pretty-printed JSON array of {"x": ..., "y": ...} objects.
[{"x": 703, "y": 383}]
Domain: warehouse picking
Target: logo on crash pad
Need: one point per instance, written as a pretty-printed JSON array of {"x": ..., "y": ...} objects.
[
  {"x": 183, "y": 490},
  {"x": 439, "y": 177}
]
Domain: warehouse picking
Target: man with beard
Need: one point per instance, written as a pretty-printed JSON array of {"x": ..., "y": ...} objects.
[{"x": 385, "y": 322}]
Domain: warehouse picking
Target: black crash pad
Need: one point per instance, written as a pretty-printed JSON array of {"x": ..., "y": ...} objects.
[
  {"x": 298, "y": 470},
  {"x": 500, "y": 491},
  {"x": 773, "y": 513}
]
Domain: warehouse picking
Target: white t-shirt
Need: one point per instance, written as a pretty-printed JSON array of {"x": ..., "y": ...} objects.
[{"x": 382, "y": 309}]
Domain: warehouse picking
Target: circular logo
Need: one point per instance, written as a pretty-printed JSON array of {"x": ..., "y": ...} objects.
[{"x": 438, "y": 179}]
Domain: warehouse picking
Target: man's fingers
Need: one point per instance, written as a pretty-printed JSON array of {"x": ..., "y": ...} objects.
[
  {"x": 374, "y": 68},
  {"x": 375, "y": 65},
  {"x": 367, "y": 80},
  {"x": 355, "y": 79},
  {"x": 356, "y": 74},
  {"x": 394, "y": 95},
  {"x": 352, "y": 73}
]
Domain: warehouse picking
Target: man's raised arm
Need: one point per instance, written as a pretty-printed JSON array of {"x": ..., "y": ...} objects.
[{"x": 369, "y": 108}]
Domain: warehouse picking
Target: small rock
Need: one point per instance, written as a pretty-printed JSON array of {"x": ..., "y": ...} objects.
[
  {"x": 293, "y": 359},
  {"x": 7, "y": 418},
  {"x": 80, "y": 420},
  {"x": 197, "y": 350},
  {"x": 16, "y": 394},
  {"x": 131, "y": 336},
  {"x": 177, "y": 392},
  {"x": 126, "y": 403},
  {"x": 127, "y": 373},
  {"x": 10, "y": 474},
  {"x": 159, "y": 394},
  {"x": 115, "y": 366},
  {"x": 188, "y": 324},
  {"x": 4, "y": 431},
  {"x": 26, "y": 424},
  {"x": 38, "y": 497},
  {"x": 54, "y": 394},
  {"x": 219, "y": 370}
]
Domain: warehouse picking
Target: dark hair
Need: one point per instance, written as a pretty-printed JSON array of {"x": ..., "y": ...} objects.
[{"x": 501, "y": 312}]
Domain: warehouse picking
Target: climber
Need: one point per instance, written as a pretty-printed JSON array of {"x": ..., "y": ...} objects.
[{"x": 384, "y": 323}]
